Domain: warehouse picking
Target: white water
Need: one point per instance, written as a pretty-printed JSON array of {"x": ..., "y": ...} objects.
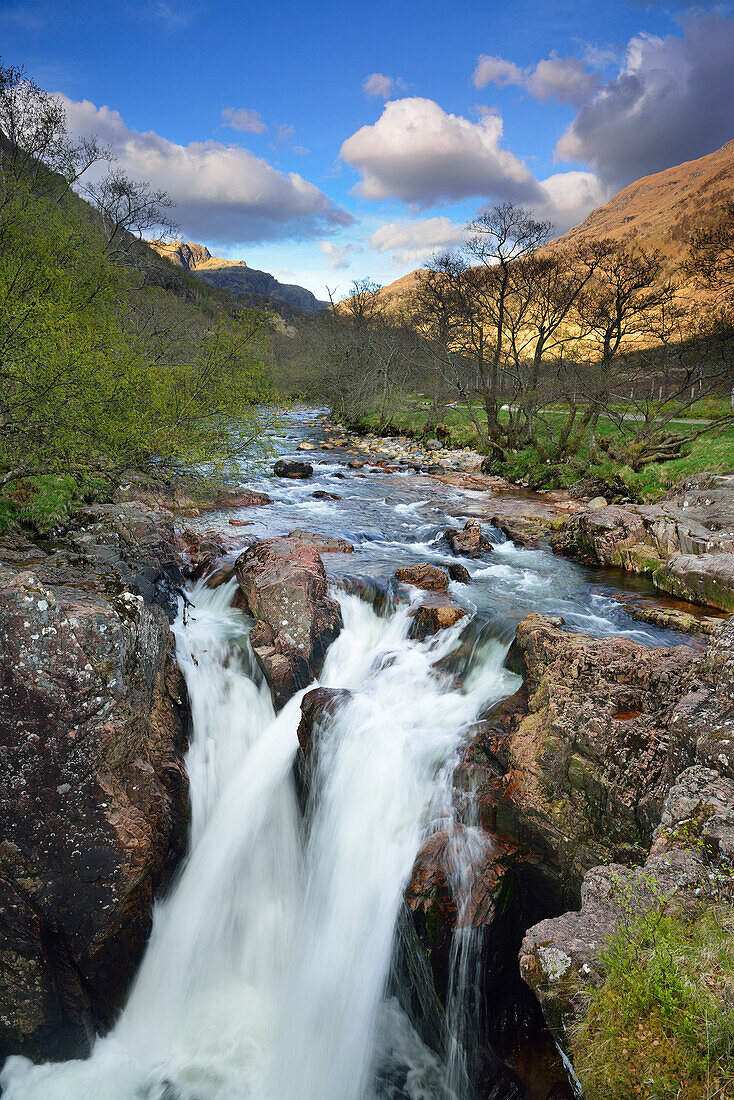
[{"x": 265, "y": 974}]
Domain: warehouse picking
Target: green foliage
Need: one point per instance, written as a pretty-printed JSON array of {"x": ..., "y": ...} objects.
[
  {"x": 662, "y": 1024},
  {"x": 100, "y": 373}
]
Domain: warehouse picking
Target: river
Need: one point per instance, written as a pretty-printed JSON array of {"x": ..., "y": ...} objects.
[{"x": 266, "y": 976}]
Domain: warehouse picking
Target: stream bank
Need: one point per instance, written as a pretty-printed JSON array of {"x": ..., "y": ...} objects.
[{"x": 522, "y": 797}]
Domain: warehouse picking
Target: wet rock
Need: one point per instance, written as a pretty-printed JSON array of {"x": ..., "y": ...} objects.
[
  {"x": 433, "y": 616},
  {"x": 322, "y": 543},
  {"x": 321, "y": 494},
  {"x": 306, "y": 446},
  {"x": 424, "y": 575},
  {"x": 674, "y": 618},
  {"x": 297, "y": 471},
  {"x": 469, "y": 542},
  {"x": 200, "y": 550},
  {"x": 704, "y": 579},
  {"x": 317, "y": 708},
  {"x": 93, "y": 804},
  {"x": 283, "y": 583},
  {"x": 431, "y": 897},
  {"x": 458, "y": 573},
  {"x": 355, "y": 464}
]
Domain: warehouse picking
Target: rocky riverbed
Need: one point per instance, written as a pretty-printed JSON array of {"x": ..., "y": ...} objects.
[{"x": 622, "y": 727}]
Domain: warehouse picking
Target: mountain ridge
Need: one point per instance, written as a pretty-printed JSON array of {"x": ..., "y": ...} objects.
[{"x": 236, "y": 275}]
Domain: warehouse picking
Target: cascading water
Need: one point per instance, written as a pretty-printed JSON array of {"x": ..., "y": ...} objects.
[{"x": 265, "y": 974}]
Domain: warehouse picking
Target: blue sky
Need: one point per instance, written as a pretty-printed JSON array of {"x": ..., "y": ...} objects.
[{"x": 326, "y": 141}]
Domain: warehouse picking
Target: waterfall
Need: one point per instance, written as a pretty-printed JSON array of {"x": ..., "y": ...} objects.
[{"x": 266, "y": 971}]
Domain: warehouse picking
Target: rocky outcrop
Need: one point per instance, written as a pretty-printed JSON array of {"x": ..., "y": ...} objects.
[
  {"x": 685, "y": 543},
  {"x": 317, "y": 708},
  {"x": 704, "y": 717},
  {"x": 562, "y": 957},
  {"x": 469, "y": 542},
  {"x": 283, "y": 584},
  {"x": 706, "y": 579},
  {"x": 93, "y": 804},
  {"x": 589, "y": 762}
]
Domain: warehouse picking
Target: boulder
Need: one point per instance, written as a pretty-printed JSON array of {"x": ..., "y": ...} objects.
[
  {"x": 297, "y": 471},
  {"x": 283, "y": 583},
  {"x": 458, "y": 573},
  {"x": 322, "y": 543},
  {"x": 469, "y": 542},
  {"x": 433, "y": 616},
  {"x": 424, "y": 575},
  {"x": 704, "y": 579},
  {"x": 93, "y": 804},
  {"x": 598, "y": 502}
]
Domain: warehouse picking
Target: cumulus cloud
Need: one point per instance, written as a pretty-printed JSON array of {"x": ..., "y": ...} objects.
[
  {"x": 420, "y": 154},
  {"x": 223, "y": 193},
  {"x": 244, "y": 119},
  {"x": 379, "y": 85},
  {"x": 412, "y": 243},
  {"x": 569, "y": 198},
  {"x": 671, "y": 101},
  {"x": 337, "y": 255},
  {"x": 565, "y": 79}
]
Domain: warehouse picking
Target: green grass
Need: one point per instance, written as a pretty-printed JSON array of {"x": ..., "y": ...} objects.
[
  {"x": 650, "y": 483},
  {"x": 661, "y": 1026},
  {"x": 41, "y": 504}
]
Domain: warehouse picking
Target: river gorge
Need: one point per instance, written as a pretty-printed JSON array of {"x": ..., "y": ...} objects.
[{"x": 359, "y": 868}]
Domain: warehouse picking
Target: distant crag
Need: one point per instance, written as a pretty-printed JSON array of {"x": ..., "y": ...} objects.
[{"x": 235, "y": 275}]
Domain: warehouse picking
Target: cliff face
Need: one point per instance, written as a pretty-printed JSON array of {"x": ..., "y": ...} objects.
[
  {"x": 93, "y": 806},
  {"x": 235, "y": 275}
]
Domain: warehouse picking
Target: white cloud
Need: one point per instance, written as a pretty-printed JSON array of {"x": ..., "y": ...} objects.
[
  {"x": 337, "y": 256},
  {"x": 244, "y": 119},
  {"x": 671, "y": 101},
  {"x": 565, "y": 79},
  {"x": 378, "y": 85},
  {"x": 420, "y": 154},
  {"x": 223, "y": 193},
  {"x": 496, "y": 70},
  {"x": 570, "y": 197},
  {"x": 412, "y": 243}
]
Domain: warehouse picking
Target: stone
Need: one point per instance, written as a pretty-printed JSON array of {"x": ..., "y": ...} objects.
[
  {"x": 322, "y": 543},
  {"x": 283, "y": 583},
  {"x": 433, "y": 445},
  {"x": 424, "y": 575},
  {"x": 469, "y": 542},
  {"x": 306, "y": 446},
  {"x": 598, "y": 502},
  {"x": 458, "y": 573},
  {"x": 433, "y": 616},
  {"x": 355, "y": 464},
  {"x": 297, "y": 471}
]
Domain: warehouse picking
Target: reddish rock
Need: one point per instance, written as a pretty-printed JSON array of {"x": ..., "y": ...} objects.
[
  {"x": 322, "y": 543},
  {"x": 433, "y": 616},
  {"x": 469, "y": 542},
  {"x": 424, "y": 575},
  {"x": 284, "y": 587}
]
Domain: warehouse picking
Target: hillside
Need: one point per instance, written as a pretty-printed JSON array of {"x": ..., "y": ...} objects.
[
  {"x": 235, "y": 275},
  {"x": 659, "y": 210}
]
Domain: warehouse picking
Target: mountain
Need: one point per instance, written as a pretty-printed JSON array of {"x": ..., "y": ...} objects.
[
  {"x": 235, "y": 275},
  {"x": 663, "y": 209},
  {"x": 659, "y": 210}
]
